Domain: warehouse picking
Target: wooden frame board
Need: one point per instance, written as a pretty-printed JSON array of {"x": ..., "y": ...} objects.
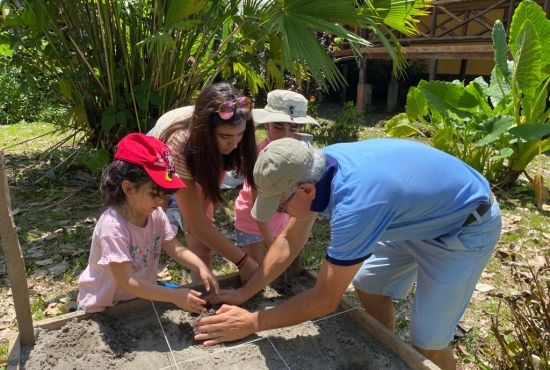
[{"x": 404, "y": 351}]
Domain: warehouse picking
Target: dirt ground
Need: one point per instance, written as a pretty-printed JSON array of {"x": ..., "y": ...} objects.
[{"x": 136, "y": 339}]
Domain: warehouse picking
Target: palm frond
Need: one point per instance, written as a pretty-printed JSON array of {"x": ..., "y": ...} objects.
[{"x": 400, "y": 15}]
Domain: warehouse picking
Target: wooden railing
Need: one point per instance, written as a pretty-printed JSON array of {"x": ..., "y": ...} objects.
[
  {"x": 455, "y": 26},
  {"x": 463, "y": 21}
]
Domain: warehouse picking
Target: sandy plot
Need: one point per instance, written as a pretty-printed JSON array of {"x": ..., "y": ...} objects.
[{"x": 136, "y": 340}]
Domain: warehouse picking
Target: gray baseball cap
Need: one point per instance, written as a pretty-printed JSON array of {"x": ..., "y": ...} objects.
[{"x": 279, "y": 168}]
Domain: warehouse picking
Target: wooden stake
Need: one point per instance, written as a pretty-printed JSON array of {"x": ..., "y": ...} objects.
[{"x": 15, "y": 264}]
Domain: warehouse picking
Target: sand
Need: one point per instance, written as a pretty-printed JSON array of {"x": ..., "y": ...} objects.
[{"x": 135, "y": 340}]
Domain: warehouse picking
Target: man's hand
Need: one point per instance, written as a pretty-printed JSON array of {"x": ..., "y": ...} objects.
[
  {"x": 229, "y": 296},
  {"x": 230, "y": 323}
]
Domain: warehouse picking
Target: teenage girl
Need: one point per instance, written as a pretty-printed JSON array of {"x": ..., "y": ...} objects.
[
  {"x": 207, "y": 139},
  {"x": 283, "y": 116},
  {"x": 130, "y": 233}
]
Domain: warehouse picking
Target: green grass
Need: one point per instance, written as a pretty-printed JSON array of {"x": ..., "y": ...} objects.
[
  {"x": 3, "y": 354},
  {"x": 16, "y": 133},
  {"x": 37, "y": 308}
]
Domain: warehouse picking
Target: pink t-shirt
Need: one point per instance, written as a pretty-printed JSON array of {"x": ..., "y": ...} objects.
[
  {"x": 244, "y": 203},
  {"x": 116, "y": 240}
]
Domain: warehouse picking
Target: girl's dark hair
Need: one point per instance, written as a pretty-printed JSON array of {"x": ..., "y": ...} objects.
[
  {"x": 115, "y": 173},
  {"x": 201, "y": 151}
]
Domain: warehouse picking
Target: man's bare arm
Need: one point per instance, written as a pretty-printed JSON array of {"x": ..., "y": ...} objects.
[
  {"x": 284, "y": 250},
  {"x": 232, "y": 322}
]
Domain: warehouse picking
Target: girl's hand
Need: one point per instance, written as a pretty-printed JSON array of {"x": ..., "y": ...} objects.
[
  {"x": 246, "y": 271},
  {"x": 209, "y": 280},
  {"x": 189, "y": 300}
]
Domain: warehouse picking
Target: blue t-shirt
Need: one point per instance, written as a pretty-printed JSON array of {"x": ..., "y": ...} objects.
[{"x": 390, "y": 189}]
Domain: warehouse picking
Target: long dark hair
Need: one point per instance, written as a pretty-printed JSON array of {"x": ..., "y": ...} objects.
[{"x": 201, "y": 152}]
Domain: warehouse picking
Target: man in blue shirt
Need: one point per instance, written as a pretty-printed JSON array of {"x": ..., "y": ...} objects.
[{"x": 400, "y": 212}]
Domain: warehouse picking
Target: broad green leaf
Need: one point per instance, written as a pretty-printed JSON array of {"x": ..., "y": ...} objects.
[
  {"x": 500, "y": 47},
  {"x": 5, "y": 50},
  {"x": 478, "y": 88},
  {"x": 66, "y": 88},
  {"x": 527, "y": 59},
  {"x": 185, "y": 25},
  {"x": 503, "y": 154},
  {"x": 530, "y": 132},
  {"x": 537, "y": 110},
  {"x": 122, "y": 116},
  {"x": 500, "y": 125},
  {"x": 97, "y": 160},
  {"x": 528, "y": 151},
  {"x": 179, "y": 10},
  {"x": 448, "y": 100},
  {"x": 443, "y": 139},
  {"x": 482, "y": 84},
  {"x": 416, "y": 106},
  {"x": 108, "y": 119},
  {"x": 531, "y": 11},
  {"x": 499, "y": 88},
  {"x": 400, "y": 126}
]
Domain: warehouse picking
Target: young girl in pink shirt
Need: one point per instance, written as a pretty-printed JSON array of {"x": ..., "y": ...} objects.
[
  {"x": 130, "y": 233},
  {"x": 283, "y": 116}
]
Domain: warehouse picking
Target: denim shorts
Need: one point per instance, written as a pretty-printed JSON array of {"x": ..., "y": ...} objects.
[
  {"x": 445, "y": 269},
  {"x": 174, "y": 214},
  {"x": 242, "y": 239}
]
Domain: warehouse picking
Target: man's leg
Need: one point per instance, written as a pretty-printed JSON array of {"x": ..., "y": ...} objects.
[
  {"x": 388, "y": 273},
  {"x": 448, "y": 270},
  {"x": 444, "y": 358},
  {"x": 380, "y": 307}
]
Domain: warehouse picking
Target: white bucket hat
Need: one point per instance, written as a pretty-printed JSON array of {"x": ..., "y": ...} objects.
[{"x": 284, "y": 106}]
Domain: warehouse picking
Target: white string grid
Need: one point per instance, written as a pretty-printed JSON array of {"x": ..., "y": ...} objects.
[
  {"x": 165, "y": 337},
  {"x": 245, "y": 343}
]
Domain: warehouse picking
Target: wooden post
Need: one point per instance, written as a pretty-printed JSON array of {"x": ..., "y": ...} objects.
[
  {"x": 432, "y": 73},
  {"x": 463, "y": 68},
  {"x": 433, "y": 69},
  {"x": 344, "y": 91},
  {"x": 393, "y": 93},
  {"x": 362, "y": 87},
  {"x": 15, "y": 264}
]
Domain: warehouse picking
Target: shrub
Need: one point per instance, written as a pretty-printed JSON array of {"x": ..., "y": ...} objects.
[
  {"x": 526, "y": 345},
  {"x": 345, "y": 128}
]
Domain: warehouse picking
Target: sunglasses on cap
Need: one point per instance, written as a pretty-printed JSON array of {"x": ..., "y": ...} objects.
[{"x": 227, "y": 110}]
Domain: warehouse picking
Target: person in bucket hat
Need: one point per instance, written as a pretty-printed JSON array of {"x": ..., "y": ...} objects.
[
  {"x": 284, "y": 106},
  {"x": 400, "y": 212},
  {"x": 131, "y": 232},
  {"x": 283, "y": 117}
]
